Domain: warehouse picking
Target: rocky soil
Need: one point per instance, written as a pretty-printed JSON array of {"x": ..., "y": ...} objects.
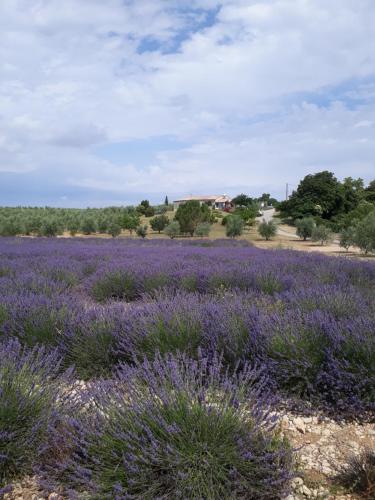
[{"x": 324, "y": 446}]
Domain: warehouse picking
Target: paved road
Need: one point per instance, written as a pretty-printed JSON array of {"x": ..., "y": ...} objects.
[{"x": 268, "y": 215}]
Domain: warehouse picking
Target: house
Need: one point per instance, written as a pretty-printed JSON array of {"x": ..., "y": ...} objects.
[{"x": 216, "y": 202}]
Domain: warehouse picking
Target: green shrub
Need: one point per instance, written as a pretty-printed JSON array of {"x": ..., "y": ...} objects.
[
  {"x": 305, "y": 227},
  {"x": 267, "y": 229},
  {"x": 322, "y": 234},
  {"x": 203, "y": 229},
  {"x": 365, "y": 233},
  {"x": 142, "y": 231},
  {"x": 347, "y": 238},
  {"x": 234, "y": 226},
  {"x": 173, "y": 229}
]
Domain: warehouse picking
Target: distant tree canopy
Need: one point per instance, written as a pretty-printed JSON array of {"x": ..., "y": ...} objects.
[
  {"x": 317, "y": 194},
  {"x": 190, "y": 214},
  {"x": 159, "y": 222},
  {"x": 322, "y": 196},
  {"x": 50, "y": 221},
  {"x": 242, "y": 200}
]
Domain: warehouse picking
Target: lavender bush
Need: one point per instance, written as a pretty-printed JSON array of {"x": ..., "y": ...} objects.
[
  {"x": 30, "y": 398},
  {"x": 177, "y": 428},
  {"x": 308, "y": 319}
]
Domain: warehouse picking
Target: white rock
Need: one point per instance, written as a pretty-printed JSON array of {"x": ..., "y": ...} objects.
[
  {"x": 297, "y": 481},
  {"x": 300, "y": 425},
  {"x": 306, "y": 491}
]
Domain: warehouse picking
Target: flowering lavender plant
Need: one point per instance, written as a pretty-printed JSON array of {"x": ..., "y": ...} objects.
[
  {"x": 177, "y": 428},
  {"x": 30, "y": 398}
]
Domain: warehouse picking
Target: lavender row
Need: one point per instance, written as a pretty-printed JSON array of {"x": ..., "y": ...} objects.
[
  {"x": 318, "y": 344},
  {"x": 169, "y": 428}
]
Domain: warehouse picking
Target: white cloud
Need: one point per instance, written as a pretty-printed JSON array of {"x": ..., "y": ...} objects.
[{"x": 240, "y": 91}]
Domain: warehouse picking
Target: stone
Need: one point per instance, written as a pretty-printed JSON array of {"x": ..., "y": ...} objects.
[
  {"x": 297, "y": 481},
  {"x": 306, "y": 491},
  {"x": 300, "y": 425}
]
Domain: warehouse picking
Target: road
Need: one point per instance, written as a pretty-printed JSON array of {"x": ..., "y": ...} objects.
[{"x": 268, "y": 215}]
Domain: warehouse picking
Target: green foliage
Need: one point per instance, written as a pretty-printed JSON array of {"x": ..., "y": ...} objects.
[
  {"x": 365, "y": 233},
  {"x": 242, "y": 200},
  {"x": 104, "y": 223},
  {"x": 305, "y": 227},
  {"x": 318, "y": 194},
  {"x": 159, "y": 223},
  {"x": 347, "y": 237},
  {"x": 130, "y": 222},
  {"x": 114, "y": 229},
  {"x": 369, "y": 193},
  {"x": 144, "y": 208},
  {"x": 51, "y": 227},
  {"x": 173, "y": 229},
  {"x": 203, "y": 229},
  {"x": 26, "y": 402},
  {"x": 88, "y": 225},
  {"x": 142, "y": 231},
  {"x": 234, "y": 226},
  {"x": 166, "y": 202},
  {"x": 322, "y": 234},
  {"x": 10, "y": 226},
  {"x": 189, "y": 215},
  {"x": 267, "y": 229},
  {"x": 73, "y": 226},
  {"x": 248, "y": 213}
]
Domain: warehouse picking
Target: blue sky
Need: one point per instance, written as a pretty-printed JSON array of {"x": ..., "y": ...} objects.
[{"x": 111, "y": 102}]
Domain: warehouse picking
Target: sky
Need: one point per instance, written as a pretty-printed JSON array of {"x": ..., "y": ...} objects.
[{"x": 110, "y": 102}]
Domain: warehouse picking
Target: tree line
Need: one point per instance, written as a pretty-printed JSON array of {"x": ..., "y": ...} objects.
[{"x": 322, "y": 205}]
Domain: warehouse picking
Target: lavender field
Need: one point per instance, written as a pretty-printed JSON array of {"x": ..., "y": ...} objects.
[{"x": 150, "y": 369}]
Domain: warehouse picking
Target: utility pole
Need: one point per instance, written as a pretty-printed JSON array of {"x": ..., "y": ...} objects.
[{"x": 287, "y": 192}]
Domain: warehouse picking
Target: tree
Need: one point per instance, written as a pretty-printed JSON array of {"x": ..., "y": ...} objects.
[
  {"x": 173, "y": 229},
  {"x": 149, "y": 212},
  {"x": 248, "y": 213},
  {"x": 51, "y": 227},
  {"x": 10, "y": 227},
  {"x": 143, "y": 207},
  {"x": 352, "y": 193},
  {"x": 203, "y": 229},
  {"x": 265, "y": 198},
  {"x": 73, "y": 226},
  {"x": 103, "y": 225},
  {"x": 369, "y": 192},
  {"x": 166, "y": 202},
  {"x": 305, "y": 227},
  {"x": 321, "y": 233},
  {"x": 88, "y": 225},
  {"x": 130, "y": 222},
  {"x": 317, "y": 194},
  {"x": 234, "y": 226},
  {"x": 189, "y": 215},
  {"x": 114, "y": 229},
  {"x": 142, "y": 231},
  {"x": 159, "y": 222},
  {"x": 347, "y": 237},
  {"x": 242, "y": 200},
  {"x": 267, "y": 229},
  {"x": 365, "y": 233}
]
